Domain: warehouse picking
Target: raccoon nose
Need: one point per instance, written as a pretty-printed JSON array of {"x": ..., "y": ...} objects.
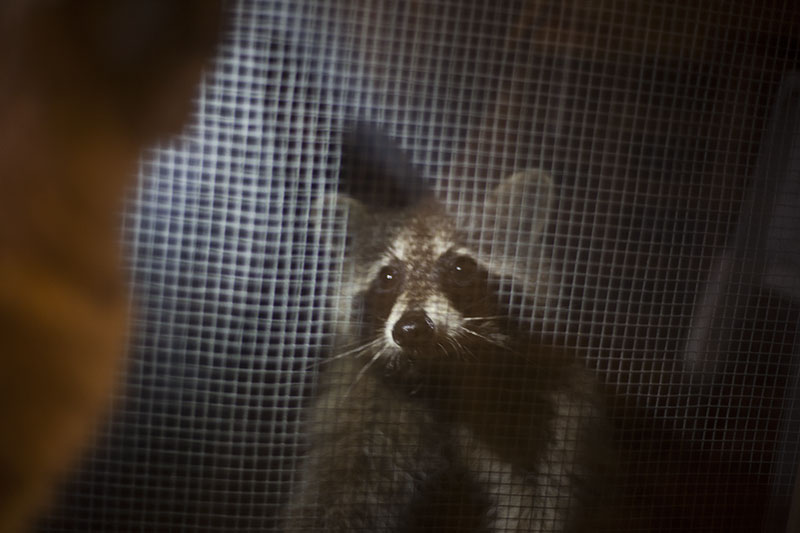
[{"x": 413, "y": 328}]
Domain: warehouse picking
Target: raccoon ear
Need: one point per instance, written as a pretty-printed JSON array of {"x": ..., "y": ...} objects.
[
  {"x": 374, "y": 170},
  {"x": 519, "y": 208},
  {"x": 506, "y": 232}
]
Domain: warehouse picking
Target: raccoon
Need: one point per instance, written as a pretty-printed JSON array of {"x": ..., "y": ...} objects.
[{"x": 439, "y": 410}]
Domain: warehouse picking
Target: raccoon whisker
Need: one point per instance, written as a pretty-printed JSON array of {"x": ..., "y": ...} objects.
[
  {"x": 459, "y": 348},
  {"x": 468, "y": 354},
  {"x": 358, "y": 350},
  {"x": 445, "y": 348},
  {"x": 367, "y": 366},
  {"x": 482, "y": 318},
  {"x": 486, "y": 338},
  {"x": 452, "y": 346}
]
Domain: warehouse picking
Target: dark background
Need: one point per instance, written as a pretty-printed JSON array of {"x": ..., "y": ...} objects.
[{"x": 653, "y": 118}]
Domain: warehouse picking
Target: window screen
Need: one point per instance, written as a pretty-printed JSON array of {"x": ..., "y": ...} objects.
[{"x": 671, "y": 133}]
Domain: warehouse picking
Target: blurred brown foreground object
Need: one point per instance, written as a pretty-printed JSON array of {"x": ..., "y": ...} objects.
[{"x": 84, "y": 86}]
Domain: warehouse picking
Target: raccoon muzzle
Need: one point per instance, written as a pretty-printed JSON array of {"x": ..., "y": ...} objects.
[{"x": 413, "y": 330}]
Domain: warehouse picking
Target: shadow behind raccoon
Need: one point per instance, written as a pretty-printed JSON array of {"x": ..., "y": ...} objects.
[{"x": 439, "y": 410}]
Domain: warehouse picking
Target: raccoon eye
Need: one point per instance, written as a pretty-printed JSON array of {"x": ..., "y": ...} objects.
[
  {"x": 388, "y": 279},
  {"x": 463, "y": 271}
]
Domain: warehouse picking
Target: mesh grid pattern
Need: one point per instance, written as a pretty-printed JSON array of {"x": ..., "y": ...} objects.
[{"x": 652, "y": 118}]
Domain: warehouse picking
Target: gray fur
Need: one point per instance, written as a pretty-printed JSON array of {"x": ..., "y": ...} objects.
[{"x": 509, "y": 430}]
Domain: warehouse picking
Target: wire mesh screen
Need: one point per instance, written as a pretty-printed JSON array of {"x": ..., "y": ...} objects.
[{"x": 671, "y": 244}]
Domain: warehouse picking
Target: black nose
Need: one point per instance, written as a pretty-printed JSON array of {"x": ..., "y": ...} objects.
[{"x": 413, "y": 329}]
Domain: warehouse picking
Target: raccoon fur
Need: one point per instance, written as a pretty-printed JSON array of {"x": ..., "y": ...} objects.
[{"x": 439, "y": 411}]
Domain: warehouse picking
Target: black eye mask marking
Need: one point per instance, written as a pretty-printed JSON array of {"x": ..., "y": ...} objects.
[
  {"x": 460, "y": 272},
  {"x": 384, "y": 290},
  {"x": 388, "y": 280},
  {"x": 465, "y": 283}
]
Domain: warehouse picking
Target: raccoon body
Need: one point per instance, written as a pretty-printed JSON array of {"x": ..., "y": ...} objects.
[{"x": 438, "y": 411}]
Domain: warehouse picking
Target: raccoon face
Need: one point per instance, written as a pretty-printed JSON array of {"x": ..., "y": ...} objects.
[
  {"x": 421, "y": 285},
  {"x": 427, "y": 296}
]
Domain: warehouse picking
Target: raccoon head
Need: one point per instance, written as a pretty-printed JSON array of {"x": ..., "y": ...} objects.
[
  {"x": 422, "y": 285},
  {"x": 426, "y": 294}
]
